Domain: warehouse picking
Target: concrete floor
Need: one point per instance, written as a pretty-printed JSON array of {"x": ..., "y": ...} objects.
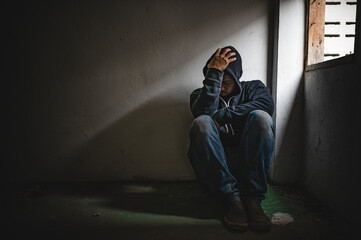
[{"x": 152, "y": 211}]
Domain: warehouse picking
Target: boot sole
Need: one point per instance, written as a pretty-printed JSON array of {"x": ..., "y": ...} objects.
[{"x": 236, "y": 226}]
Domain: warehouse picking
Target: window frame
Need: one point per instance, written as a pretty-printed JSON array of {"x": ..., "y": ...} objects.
[{"x": 337, "y": 61}]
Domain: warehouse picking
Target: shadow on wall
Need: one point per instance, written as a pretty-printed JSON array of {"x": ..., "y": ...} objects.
[
  {"x": 75, "y": 68},
  {"x": 149, "y": 141},
  {"x": 289, "y": 150}
]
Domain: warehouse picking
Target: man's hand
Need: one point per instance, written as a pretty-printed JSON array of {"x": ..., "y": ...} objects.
[{"x": 221, "y": 61}]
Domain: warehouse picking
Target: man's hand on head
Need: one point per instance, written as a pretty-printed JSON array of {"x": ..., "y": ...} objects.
[{"x": 221, "y": 60}]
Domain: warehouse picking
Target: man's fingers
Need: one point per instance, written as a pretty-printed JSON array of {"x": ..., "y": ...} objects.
[
  {"x": 230, "y": 54},
  {"x": 221, "y": 60},
  {"x": 225, "y": 51},
  {"x": 218, "y": 51}
]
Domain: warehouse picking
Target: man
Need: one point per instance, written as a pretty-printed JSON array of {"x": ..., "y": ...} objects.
[{"x": 232, "y": 139}]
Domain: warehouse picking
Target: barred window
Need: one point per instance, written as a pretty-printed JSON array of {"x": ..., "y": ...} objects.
[{"x": 331, "y": 29}]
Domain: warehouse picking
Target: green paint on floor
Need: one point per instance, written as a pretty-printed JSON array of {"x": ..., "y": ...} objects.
[{"x": 172, "y": 210}]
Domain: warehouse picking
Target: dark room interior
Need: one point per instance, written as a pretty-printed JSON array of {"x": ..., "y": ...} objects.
[{"x": 97, "y": 116}]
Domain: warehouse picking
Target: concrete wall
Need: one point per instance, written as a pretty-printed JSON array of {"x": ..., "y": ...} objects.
[
  {"x": 287, "y": 81},
  {"x": 332, "y": 118},
  {"x": 99, "y": 90},
  {"x": 332, "y": 130}
]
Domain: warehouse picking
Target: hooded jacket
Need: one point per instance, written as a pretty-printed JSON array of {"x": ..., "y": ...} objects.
[{"x": 231, "y": 115}]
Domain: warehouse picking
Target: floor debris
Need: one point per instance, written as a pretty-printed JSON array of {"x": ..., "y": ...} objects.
[
  {"x": 281, "y": 218},
  {"x": 97, "y": 214}
]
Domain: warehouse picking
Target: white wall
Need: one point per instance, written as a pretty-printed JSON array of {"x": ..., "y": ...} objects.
[
  {"x": 100, "y": 90},
  {"x": 288, "y": 149}
]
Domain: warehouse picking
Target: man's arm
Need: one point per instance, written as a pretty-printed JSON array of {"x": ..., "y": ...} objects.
[
  {"x": 204, "y": 101},
  {"x": 259, "y": 99}
]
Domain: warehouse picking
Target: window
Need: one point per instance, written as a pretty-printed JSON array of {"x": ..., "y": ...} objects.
[{"x": 331, "y": 29}]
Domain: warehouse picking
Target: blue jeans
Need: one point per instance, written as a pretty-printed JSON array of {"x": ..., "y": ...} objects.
[{"x": 233, "y": 172}]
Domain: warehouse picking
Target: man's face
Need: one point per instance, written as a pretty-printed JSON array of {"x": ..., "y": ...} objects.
[{"x": 227, "y": 85}]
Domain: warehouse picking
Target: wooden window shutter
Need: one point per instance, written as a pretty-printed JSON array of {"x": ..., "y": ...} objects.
[{"x": 316, "y": 26}]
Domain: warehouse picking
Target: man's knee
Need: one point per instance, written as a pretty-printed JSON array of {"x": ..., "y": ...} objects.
[
  {"x": 261, "y": 120},
  {"x": 203, "y": 125}
]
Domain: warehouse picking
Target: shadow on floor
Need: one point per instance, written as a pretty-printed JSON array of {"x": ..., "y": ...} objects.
[
  {"x": 186, "y": 199},
  {"x": 176, "y": 210}
]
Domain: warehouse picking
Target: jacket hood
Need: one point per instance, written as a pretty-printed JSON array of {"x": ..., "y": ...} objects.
[{"x": 234, "y": 68}]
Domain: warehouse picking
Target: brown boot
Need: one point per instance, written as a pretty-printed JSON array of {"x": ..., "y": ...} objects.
[
  {"x": 258, "y": 220},
  {"x": 235, "y": 216}
]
